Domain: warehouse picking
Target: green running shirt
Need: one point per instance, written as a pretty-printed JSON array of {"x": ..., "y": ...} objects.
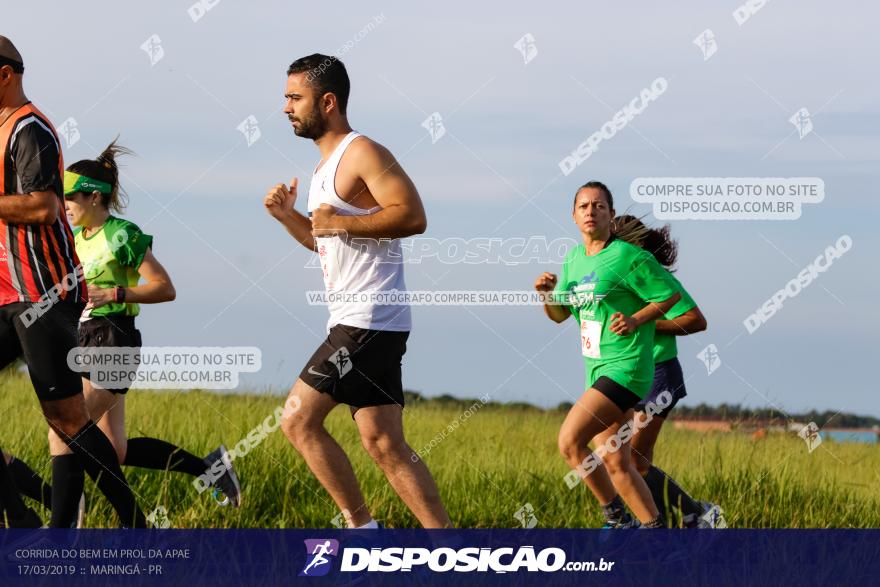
[
  {"x": 665, "y": 345},
  {"x": 111, "y": 257},
  {"x": 619, "y": 278}
]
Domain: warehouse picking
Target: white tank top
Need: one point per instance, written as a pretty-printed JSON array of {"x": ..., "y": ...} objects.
[{"x": 356, "y": 265}]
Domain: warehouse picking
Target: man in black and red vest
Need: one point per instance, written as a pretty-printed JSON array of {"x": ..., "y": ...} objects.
[{"x": 42, "y": 294}]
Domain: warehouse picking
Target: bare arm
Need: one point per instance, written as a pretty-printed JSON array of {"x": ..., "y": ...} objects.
[
  {"x": 688, "y": 323},
  {"x": 546, "y": 283},
  {"x": 279, "y": 203},
  {"x": 33, "y": 208},
  {"x": 402, "y": 212},
  {"x": 157, "y": 289},
  {"x": 624, "y": 325},
  {"x": 299, "y": 227}
]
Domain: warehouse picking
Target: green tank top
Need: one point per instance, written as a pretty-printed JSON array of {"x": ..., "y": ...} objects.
[{"x": 665, "y": 345}]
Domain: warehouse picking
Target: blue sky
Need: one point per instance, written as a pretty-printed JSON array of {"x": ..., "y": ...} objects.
[{"x": 241, "y": 279}]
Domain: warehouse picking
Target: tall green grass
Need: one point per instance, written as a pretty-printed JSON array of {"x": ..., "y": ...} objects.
[{"x": 491, "y": 464}]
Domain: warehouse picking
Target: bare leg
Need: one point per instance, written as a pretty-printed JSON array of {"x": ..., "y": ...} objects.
[
  {"x": 643, "y": 442},
  {"x": 110, "y": 408},
  {"x": 599, "y": 482},
  {"x": 629, "y": 483},
  {"x": 305, "y": 430},
  {"x": 591, "y": 415},
  {"x": 98, "y": 403},
  {"x": 381, "y": 429}
]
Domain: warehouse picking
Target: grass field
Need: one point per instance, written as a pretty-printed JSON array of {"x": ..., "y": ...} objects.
[{"x": 487, "y": 467}]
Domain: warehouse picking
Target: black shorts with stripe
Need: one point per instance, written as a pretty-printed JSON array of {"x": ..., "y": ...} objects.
[
  {"x": 43, "y": 336},
  {"x": 358, "y": 367}
]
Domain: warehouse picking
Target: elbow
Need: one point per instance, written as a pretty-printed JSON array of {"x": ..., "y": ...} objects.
[
  {"x": 170, "y": 293},
  {"x": 46, "y": 215},
  {"x": 699, "y": 323},
  {"x": 419, "y": 226},
  {"x": 49, "y": 210}
]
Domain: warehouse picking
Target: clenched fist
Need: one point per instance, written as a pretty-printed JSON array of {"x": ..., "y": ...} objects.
[
  {"x": 622, "y": 324},
  {"x": 325, "y": 221},
  {"x": 545, "y": 284},
  {"x": 280, "y": 199}
]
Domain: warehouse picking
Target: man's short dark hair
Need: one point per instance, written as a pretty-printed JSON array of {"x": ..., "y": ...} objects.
[{"x": 326, "y": 73}]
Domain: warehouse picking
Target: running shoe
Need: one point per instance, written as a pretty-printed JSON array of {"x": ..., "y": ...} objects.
[
  {"x": 226, "y": 488},
  {"x": 626, "y": 522}
]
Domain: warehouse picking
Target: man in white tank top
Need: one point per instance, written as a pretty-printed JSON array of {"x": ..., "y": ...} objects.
[{"x": 360, "y": 203}]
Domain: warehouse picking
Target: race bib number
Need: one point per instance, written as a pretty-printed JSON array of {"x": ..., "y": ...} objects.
[
  {"x": 327, "y": 253},
  {"x": 591, "y": 332}
]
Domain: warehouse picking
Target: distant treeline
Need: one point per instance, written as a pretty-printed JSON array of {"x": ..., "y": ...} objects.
[
  {"x": 739, "y": 413},
  {"x": 725, "y": 412}
]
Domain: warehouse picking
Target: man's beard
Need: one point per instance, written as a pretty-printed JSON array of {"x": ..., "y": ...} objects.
[{"x": 312, "y": 127}]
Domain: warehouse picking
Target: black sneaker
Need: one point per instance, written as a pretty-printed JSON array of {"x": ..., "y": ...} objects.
[{"x": 226, "y": 488}]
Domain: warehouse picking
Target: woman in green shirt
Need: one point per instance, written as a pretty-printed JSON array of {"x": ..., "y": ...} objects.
[
  {"x": 115, "y": 255},
  {"x": 682, "y": 319},
  {"x": 615, "y": 291}
]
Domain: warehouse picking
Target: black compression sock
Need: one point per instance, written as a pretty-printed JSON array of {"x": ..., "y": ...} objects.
[
  {"x": 152, "y": 453},
  {"x": 615, "y": 510},
  {"x": 658, "y": 522},
  {"x": 9, "y": 496},
  {"x": 29, "y": 482},
  {"x": 662, "y": 485},
  {"x": 68, "y": 479},
  {"x": 101, "y": 463}
]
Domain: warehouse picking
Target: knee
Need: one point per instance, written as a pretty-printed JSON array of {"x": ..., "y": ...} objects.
[
  {"x": 64, "y": 426},
  {"x": 570, "y": 448},
  {"x": 292, "y": 429},
  {"x": 65, "y": 420},
  {"x": 616, "y": 464},
  {"x": 381, "y": 447},
  {"x": 299, "y": 430}
]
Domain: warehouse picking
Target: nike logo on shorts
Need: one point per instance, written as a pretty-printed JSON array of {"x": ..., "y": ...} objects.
[{"x": 313, "y": 372}]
